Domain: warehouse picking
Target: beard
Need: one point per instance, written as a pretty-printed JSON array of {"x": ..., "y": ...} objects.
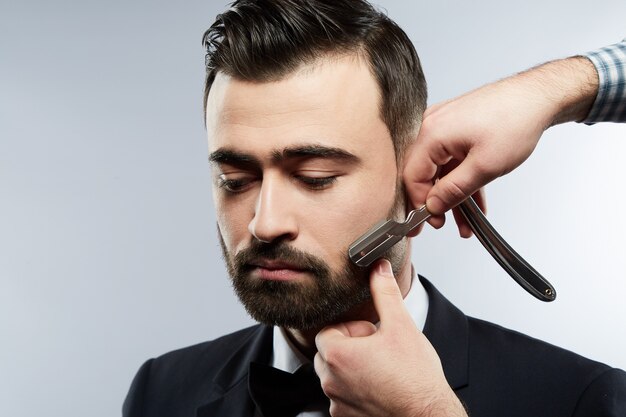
[
  {"x": 304, "y": 304},
  {"x": 301, "y": 304}
]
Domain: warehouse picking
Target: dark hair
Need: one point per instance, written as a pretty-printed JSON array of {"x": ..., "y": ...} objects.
[{"x": 266, "y": 40}]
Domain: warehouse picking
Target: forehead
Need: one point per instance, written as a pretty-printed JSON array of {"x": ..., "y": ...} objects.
[{"x": 331, "y": 102}]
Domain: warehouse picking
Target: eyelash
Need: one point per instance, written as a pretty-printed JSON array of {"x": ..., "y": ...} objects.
[
  {"x": 231, "y": 186},
  {"x": 317, "y": 183},
  {"x": 314, "y": 183}
]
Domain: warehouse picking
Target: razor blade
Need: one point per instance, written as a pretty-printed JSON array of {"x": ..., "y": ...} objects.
[{"x": 373, "y": 245}]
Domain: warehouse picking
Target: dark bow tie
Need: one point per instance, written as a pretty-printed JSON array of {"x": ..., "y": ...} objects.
[{"x": 282, "y": 394}]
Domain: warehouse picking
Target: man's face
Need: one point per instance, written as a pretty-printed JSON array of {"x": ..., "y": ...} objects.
[{"x": 302, "y": 167}]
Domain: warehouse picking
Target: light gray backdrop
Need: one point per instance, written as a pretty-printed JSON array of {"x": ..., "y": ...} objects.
[{"x": 108, "y": 249}]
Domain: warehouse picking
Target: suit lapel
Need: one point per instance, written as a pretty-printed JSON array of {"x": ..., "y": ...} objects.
[
  {"x": 447, "y": 330},
  {"x": 230, "y": 396}
]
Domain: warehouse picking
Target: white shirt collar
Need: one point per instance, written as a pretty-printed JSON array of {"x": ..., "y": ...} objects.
[{"x": 287, "y": 357}]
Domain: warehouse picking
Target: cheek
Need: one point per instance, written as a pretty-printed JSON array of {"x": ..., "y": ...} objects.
[
  {"x": 359, "y": 208},
  {"x": 233, "y": 220}
]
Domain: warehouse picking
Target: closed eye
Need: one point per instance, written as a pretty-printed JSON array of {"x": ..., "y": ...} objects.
[
  {"x": 239, "y": 185},
  {"x": 234, "y": 186},
  {"x": 317, "y": 183}
]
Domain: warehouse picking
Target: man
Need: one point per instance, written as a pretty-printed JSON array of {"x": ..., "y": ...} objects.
[{"x": 310, "y": 109}]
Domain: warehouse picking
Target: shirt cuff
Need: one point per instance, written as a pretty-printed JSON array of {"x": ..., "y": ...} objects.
[{"x": 610, "y": 103}]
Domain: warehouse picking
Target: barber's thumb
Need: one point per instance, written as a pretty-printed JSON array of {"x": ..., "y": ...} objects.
[{"x": 451, "y": 189}]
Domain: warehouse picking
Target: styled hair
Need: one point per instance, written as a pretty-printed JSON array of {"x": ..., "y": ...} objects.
[{"x": 266, "y": 40}]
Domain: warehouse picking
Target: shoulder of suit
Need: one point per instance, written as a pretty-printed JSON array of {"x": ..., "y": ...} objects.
[
  {"x": 210, "y": 353},
  {"x": 508, "y": 348}
]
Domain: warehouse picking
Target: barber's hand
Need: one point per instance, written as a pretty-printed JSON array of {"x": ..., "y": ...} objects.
[
  {"x": 467, "y": 142},
  {"x": 389, "y": 371}
]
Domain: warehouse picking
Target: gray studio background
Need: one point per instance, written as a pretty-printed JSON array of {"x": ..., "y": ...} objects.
[{"x": 108, "y": 248}]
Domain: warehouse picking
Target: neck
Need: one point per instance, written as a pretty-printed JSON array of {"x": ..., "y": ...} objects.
[{"x": 304, "y": 340}]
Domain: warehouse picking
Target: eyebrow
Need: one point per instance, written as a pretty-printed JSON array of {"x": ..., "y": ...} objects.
[
  {"x": 315, "y": 151},
  {"x": 231, "y": 156}
]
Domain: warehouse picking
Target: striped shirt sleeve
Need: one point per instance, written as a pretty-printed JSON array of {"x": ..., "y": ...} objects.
[{"x": 610, "y": 103}]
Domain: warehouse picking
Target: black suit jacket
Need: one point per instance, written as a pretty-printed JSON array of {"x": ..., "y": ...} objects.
[{"x": 495, "y": 371}]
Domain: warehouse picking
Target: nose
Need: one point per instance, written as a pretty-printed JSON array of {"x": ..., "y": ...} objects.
[{"x": 275, "y": 212}]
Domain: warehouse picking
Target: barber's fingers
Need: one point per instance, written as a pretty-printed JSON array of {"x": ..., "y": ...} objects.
[
  {"x": 360, "y": 328},
  {"x": 424, "y": 162},
  {"x": 332, "y": 343},
  {"x": 337, "y": 333},
  {"x": 420, "y": 172},
  {"x": 387, "y": 297},
  {"x": 465, "y": 231},
  {"x": 388, "y": 303},
  {"x": 467, "y": 178}
]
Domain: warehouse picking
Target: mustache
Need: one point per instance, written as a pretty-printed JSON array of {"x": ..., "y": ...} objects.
[{"x": 278, "y": 251}]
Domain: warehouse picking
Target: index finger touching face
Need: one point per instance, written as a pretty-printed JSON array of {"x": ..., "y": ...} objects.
[{"x": 387, "y": 297}]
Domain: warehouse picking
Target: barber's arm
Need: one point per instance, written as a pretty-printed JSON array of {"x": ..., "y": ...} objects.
[{"x": 468, "y": 141}]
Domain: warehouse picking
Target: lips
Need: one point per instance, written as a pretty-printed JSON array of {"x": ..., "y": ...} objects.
[
  {"x": 273, "y": 265},
  {"x": 275, "y": 270}
]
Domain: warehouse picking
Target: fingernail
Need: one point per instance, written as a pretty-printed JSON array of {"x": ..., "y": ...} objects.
[{"x": 384, "y": 268}]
